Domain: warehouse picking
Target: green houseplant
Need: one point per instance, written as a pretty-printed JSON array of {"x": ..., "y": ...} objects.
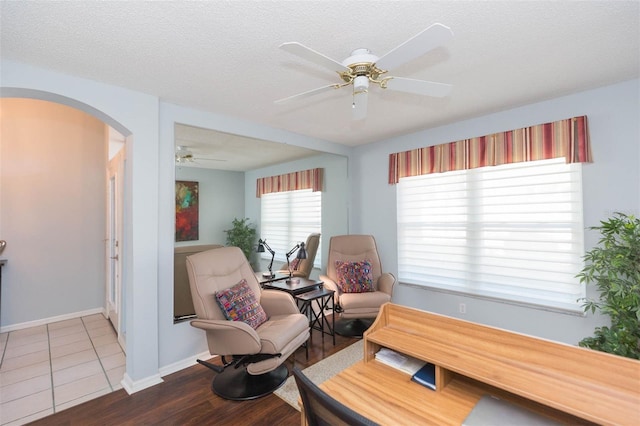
[
  {"x": 614, "y": 267},
  {"x": 243, "y": 235}
]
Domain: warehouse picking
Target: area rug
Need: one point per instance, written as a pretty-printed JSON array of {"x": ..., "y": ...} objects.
[{"x": 321, "y": 371}]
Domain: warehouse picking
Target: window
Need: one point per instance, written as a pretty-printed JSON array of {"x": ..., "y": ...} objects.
[
  {"x": 511, "y": 232},
  {"x": 288, "y": 218}
]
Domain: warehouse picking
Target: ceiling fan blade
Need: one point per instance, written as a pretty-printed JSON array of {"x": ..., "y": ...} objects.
[
  {"x": 313, "y": 56},
  {"x": 359, "y": 105},
  {"x": 307, "y": 94},
  {"x": 434, "y": 36},
  {"x": 419, "y": 87}
]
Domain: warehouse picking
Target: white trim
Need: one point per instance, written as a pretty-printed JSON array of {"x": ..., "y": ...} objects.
[
  {"x": 497, "y": 300},
  {"x": 185, "y": 363},
  {"x": 132, "y": 387},
  {"x": 44, "y": 321}
]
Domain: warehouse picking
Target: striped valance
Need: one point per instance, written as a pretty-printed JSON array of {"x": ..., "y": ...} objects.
[
  {"x": 305, "y": 179},
  {"x": 565, "y": 138}
]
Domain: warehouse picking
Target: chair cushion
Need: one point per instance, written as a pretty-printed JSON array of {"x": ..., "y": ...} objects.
[
  {"x": 239, "y": 303},
  {"x": 277, "y": 333},
  {"x": 354, "y": 277},
  {"x": 362, "y": 303}
]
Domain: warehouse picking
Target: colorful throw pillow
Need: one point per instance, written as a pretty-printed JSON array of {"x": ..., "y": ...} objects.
[
  {"x": 239, "y": 303},
  {"x": 354, "y": 277},
  {"x": 294, "y": 264}
]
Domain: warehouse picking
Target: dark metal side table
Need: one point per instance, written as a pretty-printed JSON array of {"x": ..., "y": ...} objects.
[
  {"x": 295, "y": 287},
  {"x": 318, "y": 319}
]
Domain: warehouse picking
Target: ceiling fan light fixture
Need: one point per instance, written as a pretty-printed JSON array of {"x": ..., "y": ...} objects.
[
  {"x": 183, "y": 155},
  {"x": 362, "y": 67},
  {"x": 360, "y": 83}
]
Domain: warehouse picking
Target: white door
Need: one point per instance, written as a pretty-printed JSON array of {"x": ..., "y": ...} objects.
[{"x": 115, "y": 208}]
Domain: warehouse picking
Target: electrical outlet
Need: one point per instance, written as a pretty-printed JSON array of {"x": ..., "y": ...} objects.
[{"x": 463, "y": 308}]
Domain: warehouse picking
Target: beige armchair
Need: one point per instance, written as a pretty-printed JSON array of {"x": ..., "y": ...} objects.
[
  {"x": 357, "y": 300},
  {"x": 304, "y": 266},
  {"x": 267, "y": 326}
]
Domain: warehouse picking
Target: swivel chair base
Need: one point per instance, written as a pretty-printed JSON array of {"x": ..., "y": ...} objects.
[
  {"x": 353, "y": 327},
  {"x": 238, "y": 385}
]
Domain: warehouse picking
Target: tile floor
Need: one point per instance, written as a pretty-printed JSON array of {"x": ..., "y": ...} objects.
[{"x": 48, "y": 368}]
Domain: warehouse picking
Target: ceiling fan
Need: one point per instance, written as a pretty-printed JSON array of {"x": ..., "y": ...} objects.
[
  {"x": 184, "y": 155},
  {"x": 363, "y": 67}
]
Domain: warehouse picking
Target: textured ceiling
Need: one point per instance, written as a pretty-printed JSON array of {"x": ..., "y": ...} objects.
[
  {"x": 223, "y": 56},
  {"x": 212, "y": 149}
]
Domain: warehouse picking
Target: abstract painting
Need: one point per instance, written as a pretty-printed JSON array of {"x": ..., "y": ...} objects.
[{"x": 186, "y": 210}]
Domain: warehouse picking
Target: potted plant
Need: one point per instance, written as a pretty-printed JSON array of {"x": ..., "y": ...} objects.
[
  {"x": 243, "y": 235},
  {"x": 614, "y": 267}
]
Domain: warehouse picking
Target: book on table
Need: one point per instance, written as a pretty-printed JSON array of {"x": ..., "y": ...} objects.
[
  {"x": 420, "y": 371},
  {"x": 426, "y": 376},
  {"x": 399, "y": 361}
]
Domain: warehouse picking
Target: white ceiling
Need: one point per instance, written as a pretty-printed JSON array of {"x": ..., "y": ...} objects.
[
  {"x": 223, "y": 56},
  {"x": 212, "y": 149}
]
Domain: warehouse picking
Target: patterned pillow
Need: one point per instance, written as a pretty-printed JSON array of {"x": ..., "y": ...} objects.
[
  {"x": 239, "y": 303},
  {"x": 294, "y": 264},
  {"x": 354, "y": 277}
]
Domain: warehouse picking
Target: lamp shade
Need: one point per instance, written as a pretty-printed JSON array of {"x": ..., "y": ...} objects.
[
  {"x": 262, "y": 246},
  {"x": 302, "y": 252}
]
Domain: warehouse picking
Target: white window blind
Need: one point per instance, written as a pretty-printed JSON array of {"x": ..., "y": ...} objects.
[
  {"x": 512, "y": 232},
  {"x": 287, "y": 218}
]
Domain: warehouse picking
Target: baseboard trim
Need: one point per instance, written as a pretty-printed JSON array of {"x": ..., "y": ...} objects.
[
  {"x": 136, "y": 386},
  {"x": 131, "y": 387},
  {"x": 50, "y": 320},
  {"x": 182, "y": 364}
]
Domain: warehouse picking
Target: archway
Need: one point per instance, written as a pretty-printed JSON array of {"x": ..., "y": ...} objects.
[{"x": 54, "y": 215}]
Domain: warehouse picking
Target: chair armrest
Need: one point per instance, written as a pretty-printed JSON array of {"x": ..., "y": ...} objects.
[
  {"x": 231, "y": 337},
  {"x": 276, "y": 302},
  {"x": 330, "y": 284},
  {"x": 386, "y": 281}
]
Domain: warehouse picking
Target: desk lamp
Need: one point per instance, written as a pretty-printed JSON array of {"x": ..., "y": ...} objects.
[
  {"x": 262, "y": 244},
  {"x": 302, "y": 254}
]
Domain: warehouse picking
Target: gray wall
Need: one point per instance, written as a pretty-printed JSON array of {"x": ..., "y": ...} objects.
[
  {"x": 609, "y": 184},
  {"x": 52, "y": 205},
  {"x": 221, "y": 199}
]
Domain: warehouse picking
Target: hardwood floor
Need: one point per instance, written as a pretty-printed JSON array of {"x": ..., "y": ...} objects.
[{"x": 185, "y": 398}]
